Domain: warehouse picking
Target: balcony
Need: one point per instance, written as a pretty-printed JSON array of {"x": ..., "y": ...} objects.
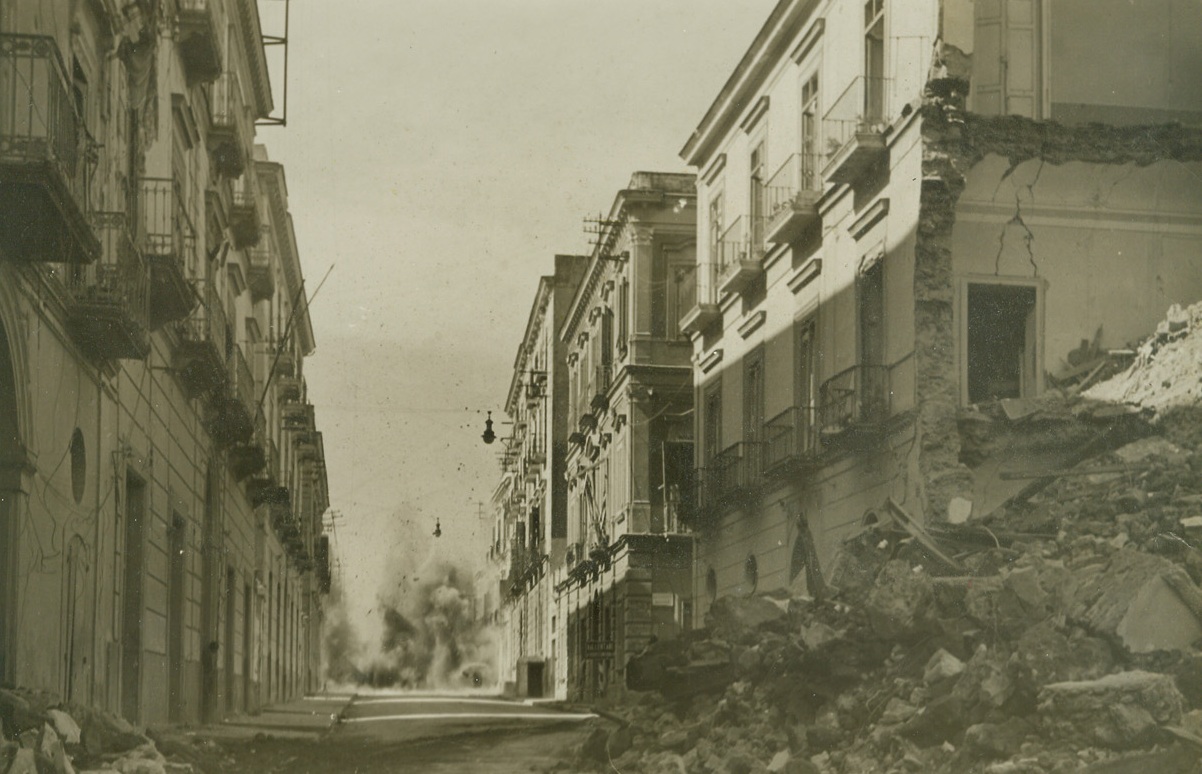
[
  {"x": 109, "y": 314},
  {"x": 42, "y": 159},
  {"x": 790, "y": 442},
  {"x": 854, "y": 128},
  {"x": 730, "y": 479},
  {"x": 250, "y": 458},
  {"x": 204, "y": 338},
  {"x": 260, "y": 269},
  {"x": 236, "y": 407},
  {"x": 791, "y": 199},
  {"x": 307, "y": 445},
  {"x": 854, "y": 405},
  {"x": 268, "y": 476},
  {"x": 298, "y": 416},
  {"x": 230, "y": 137},
  {"x": 587, "y": 422},
  {"x": 704, "y": 290},
  {"x": 602, "y": 378},
  {"x": 738, "y": 265},
  {"x": 169, "y": 246},
  {"x": 244, "y": 213},
  {"x": 199, "y": 40}
]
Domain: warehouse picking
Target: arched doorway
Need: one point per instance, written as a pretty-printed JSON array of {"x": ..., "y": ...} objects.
[{"x": 13, "y": 467}]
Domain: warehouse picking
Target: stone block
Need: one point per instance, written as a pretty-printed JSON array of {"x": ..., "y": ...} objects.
[{"x": 1119, "y": 711}]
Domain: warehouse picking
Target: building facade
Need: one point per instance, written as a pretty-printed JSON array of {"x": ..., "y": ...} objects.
[
  {"x": 905, "y": 211},
  {"x": 625, "y": 581},
  {"x": 162, "y": 481},
  {"x": 530, "y": 528}
]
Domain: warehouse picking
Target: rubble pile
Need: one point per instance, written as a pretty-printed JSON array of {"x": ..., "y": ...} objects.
[
  {"x": 1060, "y": 632},
  {"x": 41, "y": 735}
]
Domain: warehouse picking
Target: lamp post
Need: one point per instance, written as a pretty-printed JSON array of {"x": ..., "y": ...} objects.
[{"x": 488, "y": 436}]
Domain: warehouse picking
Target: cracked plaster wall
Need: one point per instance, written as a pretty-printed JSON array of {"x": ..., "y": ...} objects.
[{"x": 1092, "y": 168}]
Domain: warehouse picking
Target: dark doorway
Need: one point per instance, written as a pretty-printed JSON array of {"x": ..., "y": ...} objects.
[
  {"x": 210, "y": 705},
  {"x": 10, "y": 491},
  {"x": 534, "y": 679},
  {"x": 132, "y": 598},
  {"x": 1001, "y": 353},
  {"x": 246, "y": 619},
  {"x": 175, "y": 619},
  {"x": 231, "y": 620}
]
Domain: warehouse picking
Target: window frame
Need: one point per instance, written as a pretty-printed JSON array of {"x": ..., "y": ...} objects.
[{"x": 960, "y": 317}]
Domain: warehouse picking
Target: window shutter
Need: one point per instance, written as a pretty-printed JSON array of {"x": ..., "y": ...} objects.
[{"x": 1006, "y": 74}]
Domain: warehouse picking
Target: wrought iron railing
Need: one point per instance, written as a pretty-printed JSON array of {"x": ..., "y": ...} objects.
[
  {"x": 208, "y": 324},
  {"x": 732, "y": 250},
  {"x": 119, "y": 278},
  {"x": 789, "y": 436},
  {"x": 166, "y": 228},
  {"x": 861, "y": 108},
  {"x": 856, "y": 396},
  {"x": 37, "y": 119},
  {"x": 242, "y": 380},
  {"x": 729, "y": 476},
  {"x": 798, "y": 173}
]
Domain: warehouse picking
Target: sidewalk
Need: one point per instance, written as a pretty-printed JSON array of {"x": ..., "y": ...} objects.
[{"x": 310, "y": 716}]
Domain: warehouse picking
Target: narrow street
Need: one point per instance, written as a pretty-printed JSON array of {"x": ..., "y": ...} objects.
[{"x": 427, "y": 733}]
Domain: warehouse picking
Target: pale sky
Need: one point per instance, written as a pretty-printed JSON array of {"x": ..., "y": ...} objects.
[{"x": 439, "y": 153}]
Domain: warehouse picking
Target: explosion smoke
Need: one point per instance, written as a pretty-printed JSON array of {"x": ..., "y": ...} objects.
[{"x": 431, "y": 637}]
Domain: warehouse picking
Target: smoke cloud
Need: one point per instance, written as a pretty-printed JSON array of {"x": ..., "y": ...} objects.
[{"x": 431, "y": 637}]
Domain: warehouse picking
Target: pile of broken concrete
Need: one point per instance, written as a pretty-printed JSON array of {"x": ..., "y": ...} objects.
[
  {"x": 1061, "y": 632},
  {"x": 41, "y": 735}
]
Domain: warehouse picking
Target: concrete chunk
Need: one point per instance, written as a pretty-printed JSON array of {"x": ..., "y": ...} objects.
[{"x": 1119, "y": 711}]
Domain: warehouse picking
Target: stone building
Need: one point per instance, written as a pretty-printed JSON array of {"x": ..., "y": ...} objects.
[
  {"x": 907, "y": 210},
  {"x": 162, "y": 480},
  {"x": 626, "y": 580},
  {"x": 530, "y": 529}
]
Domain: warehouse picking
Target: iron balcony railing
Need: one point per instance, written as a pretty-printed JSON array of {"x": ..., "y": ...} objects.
[
  {"x": 798, "y": 173},
  {"x": 242, "y": 381},
  {"x": 208, "y": 323},
  {"x": 37, "y": 119},
  {"x": 120, "y": 278},
  {"x": 729, "y": 476},
  {"x": 789, "y": 437},
  {"x": 861, "y": 108},
  {"x": 732, "y": 248},
  {"x": 166, "y": 228},
  {"x": 855, "y": 397}
]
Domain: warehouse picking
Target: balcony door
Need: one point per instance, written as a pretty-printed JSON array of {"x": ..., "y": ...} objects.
[
  {"x": 753, "y": 412},
  {"x": 874, "y": 61},
  {"x": 809, "y": 135},
  {"x": 871, "y": 301},
  {"x": 757, "y": 197}
]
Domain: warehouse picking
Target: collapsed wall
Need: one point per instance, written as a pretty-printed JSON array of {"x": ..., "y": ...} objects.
[{"x": 1060, "y": 633}]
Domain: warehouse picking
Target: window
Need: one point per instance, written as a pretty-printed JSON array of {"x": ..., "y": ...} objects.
[
  {"x": 717, "y": 217},
  {"x": 623, "y": 312},
  {"x": 753, "y": 396},
  {"x": 999, "y": 350},
  {"x": 807, "y": 388},
  {"x": 874, "y": 61},
  {"x": 871, "y": 301},
  {"x": 756, "y": 185},
  {"x": 809, "y": 134},
  {"x": 712, "y": 417}
]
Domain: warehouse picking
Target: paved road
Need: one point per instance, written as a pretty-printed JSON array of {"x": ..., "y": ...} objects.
[{"x": 427, "y": 734}]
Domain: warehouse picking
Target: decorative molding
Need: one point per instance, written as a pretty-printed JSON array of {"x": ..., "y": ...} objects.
[
  {"x": 640, "y": 236},
  {"x": 711, "y": 174},
  {"x": 808, "y": 40},
  {"x": 869, "y": 218},
  {"x": 707, "y": 362},
  {"x": 752, "y": 322},
  {"x": 758, "y": 111},
  {"x": 805, "y": 274}
]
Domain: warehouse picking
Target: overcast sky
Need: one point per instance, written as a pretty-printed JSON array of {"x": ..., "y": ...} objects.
[{"x": 438, "y": 154}]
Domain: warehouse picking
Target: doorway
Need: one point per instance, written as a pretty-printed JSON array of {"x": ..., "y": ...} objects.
[
  {"x": 534, "y": 679},
  {"x": 175, "y": 620},
  {"x": 231, "y": 609},
  {"x": 132, "y": 598},
  {"x": 1000, "y": 349}
]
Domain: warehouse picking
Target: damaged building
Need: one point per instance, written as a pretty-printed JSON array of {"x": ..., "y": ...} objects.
[
  {"x": 906, "y": 211},
  {"x": 162, "y": 479}
]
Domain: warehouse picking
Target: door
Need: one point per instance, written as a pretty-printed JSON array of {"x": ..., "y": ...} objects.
[
  {"x": 176, "y": 698},
  {"x": 132, "y": 599},
  {"x": 231, "y": 598}
]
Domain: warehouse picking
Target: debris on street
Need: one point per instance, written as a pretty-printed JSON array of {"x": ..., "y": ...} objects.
[{"x": 1057, "y": 629}]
